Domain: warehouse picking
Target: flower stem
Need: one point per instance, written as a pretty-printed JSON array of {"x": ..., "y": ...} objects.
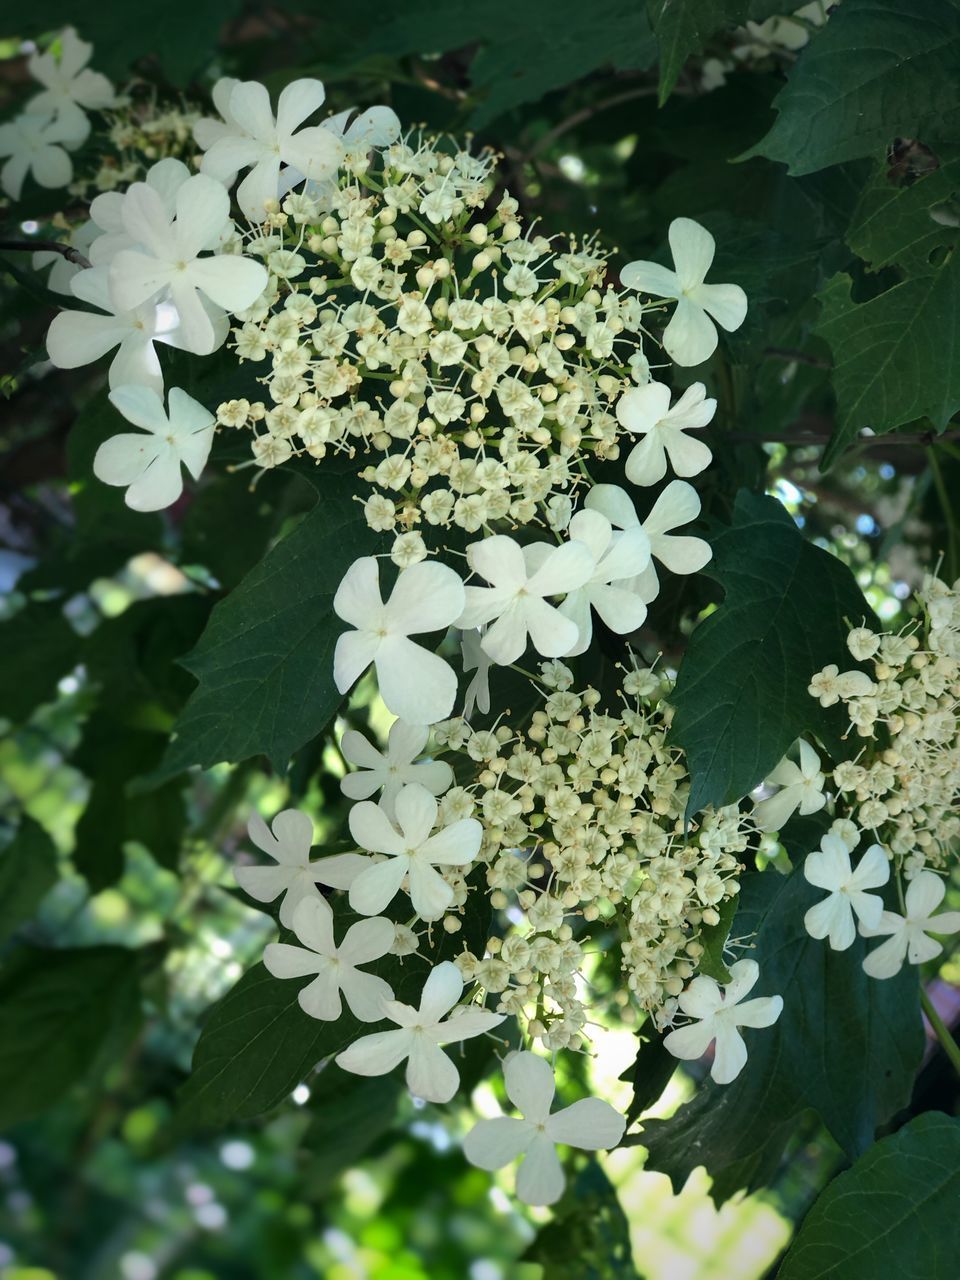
[{"x": 941, "y": 1030}]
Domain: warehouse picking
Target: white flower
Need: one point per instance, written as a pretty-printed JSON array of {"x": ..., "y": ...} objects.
[
  {"x": 690, "y": 337},
  {"x": 261, "y": 143},
  {"x": 166, "y": 177},
  {"x": 413, "y": 853},
  {"x": 170, "y": 258},
  {"x": 676, "y": 505},
  {"x": 618, "y": 559},
  {"x": 646, "y": 411},
  {"x": 36, "y": 144},
  {"x": 377, "y": 127},
  {"x": 801, "y": 786},
  {"x": 521, "y": 578},
  {"x": 418, "y": 686},
  {"x": 474, "y": 658},
  {"x": 830, "y": 869},
  {"x": 336, "y": 968},
  {"x": 288, "y": 841},
  {"x": 591, "y": 1125},
  {"x": 908, "y": 934},
  {"x": 720, "y": 1014},
  {"x": 69, "y": 86},
  {"x": 150, "y": 465},
  {"x": 430, "y": 1073},
  {"x": 79, "y": 337},
  {"x": 394, "y": 769}
]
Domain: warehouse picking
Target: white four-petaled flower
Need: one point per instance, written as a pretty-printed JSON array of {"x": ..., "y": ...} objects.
[
  {"x": 618, "y": 559},
  {"x": 646, "y": 411},
  {"x": 37, "y": 145},
  {"x": 412, "y": 853},
  {"x": 168, "y": 258},
  {"x": 691, "y": 336},
  {"x": 590, "y": 1124},
  {"x": 418, "y": 686},
  {"x": 287, "y": 841},
  {"x": 394, "y": 768},
  {"x": 336, "y": 968},
  {"x": 521, "y": 579},
  {"x": 150, "y": 465},
  {"x": 801, "y": 787},
  {"x": 829, "y": 868},
  {"x": 430, "y": 1073},
  {"x": 70, "y": 88},
  {"x": 276, "y": 150},
  {"x": 908, "y": 938},
  {"x": 719, "y": 1013}
]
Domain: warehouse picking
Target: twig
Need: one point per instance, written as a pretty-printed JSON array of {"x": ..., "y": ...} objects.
[
  {"x": 585, "y": 113},
  {"x": 48, "y": 246},
  {"x": 822, "y": 437},
  {"x": 940, "y": 1029},
  {"x": 801, "y": 357}
]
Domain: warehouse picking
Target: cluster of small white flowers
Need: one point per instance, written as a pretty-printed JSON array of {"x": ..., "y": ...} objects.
[
  {"x": 583, "y": 821},
  {"x": 903, "y": 788}
]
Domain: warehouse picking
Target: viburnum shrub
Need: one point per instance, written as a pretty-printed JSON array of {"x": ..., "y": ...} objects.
[{"x": 554, "y": 826}]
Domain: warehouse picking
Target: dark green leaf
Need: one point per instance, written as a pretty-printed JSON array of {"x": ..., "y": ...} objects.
[
  {"x": 895, "y": 223},
  {"x": 684, "y": 28},
  {"x": 349, "y": 1113},
  {"x": 713, "y": 938},
  {"x": 878, "y": 70},
  {"x": 589, "y": 1238},
  {"x": 650, "y": 1074},
  {"x": 845, "y": 1045},
  {"x": 28, "y": 867},
  {"x": 741, "y": 697},
  {"x": 58, "y": 1011},
  {"x": 39, "y": 647},
  {"x": 265, "y": 661},
  {"x": 893, "y": 360},
  {"x": 894, "y": 1213}
]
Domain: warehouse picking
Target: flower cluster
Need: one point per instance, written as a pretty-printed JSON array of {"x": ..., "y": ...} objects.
[{"x": 903, "y": 788}]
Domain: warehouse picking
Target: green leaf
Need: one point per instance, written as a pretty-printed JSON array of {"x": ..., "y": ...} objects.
[
  {"x": 589, "y": 1238},
  {"x": 349, "y": 1114},
  {"x": 265, "y": 660},
  {"x": 39, "y": 647},
  {"x": 59, "y": 1010},
  {"x": 878, "y": 70},
  {"x": 895, "y": 224},
  {"x": 894, "y": 1213},
  {"x": 741, "y": 696},
  {"x": 28, "y": 868},
  {"x": 893, "y": 360},
  {"x": 845, "y": 1045},
  {"x": 683, "y": 28},
  {"x": 651, "y": 1072}
]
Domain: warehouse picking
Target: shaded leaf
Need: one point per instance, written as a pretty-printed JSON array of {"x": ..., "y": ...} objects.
[
  {"x": 589, "y": 1238},
  {"x": 893, "y": 1213},
  {"x": 39, "y": 648},
  {"x": 895, "y": 224},
  {"x": 28, "y": 868}
]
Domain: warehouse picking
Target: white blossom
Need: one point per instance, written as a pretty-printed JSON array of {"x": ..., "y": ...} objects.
[
  {"x": 801, "y": 787},
  {"x": 646, "y": 411},
  {"x": 276, "y": 150},
  {"x": 908, "y": 938},
  {"x": 521, "y": 579},
  {"x": 476, "y": 659},
  {"x": 690, "y": 337},
  {"x": 37, "y": 145},
  {"x": 719, "y": 1013},
  {"x": 618, "y": 559},
  {"x": 150, "y": 465},
  {"x": 287, "y": 841},
  {"x": 62, "y": 270},
  {"x": 413, "y": 853},
  {"x": 418, "y": 686},
  {"x": 79, "y": 337},
  {"x": 170, "y": 260},
  {"x": 394, "y": 768},
  {"x": 166, "y": 177},
  {"x": 70, "y": 88},
  {"x": 430, "y": 1074},
  {"x": 830, "y": 868},
  {"x": 590, "y": 1124},
  {"x": 336, "y": 967}
]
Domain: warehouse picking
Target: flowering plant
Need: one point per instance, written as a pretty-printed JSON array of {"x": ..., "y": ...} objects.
[{"x": 437, "y": 473}]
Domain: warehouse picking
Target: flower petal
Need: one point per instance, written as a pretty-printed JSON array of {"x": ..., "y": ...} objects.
[
  {"x": 300, "y": 99},
  {"x": 691, "y": 336},
  {"x": 430, "y": 1073},
  {"x": 284, "y": 961},
  {"x": 367, "y": 940},
  {"x": 313, "y": 925},
  {"x": 377, "y": 1054},
  {"x": 590, "y": 1124},
  {"x": 429, "y": 892},
  {"x": 693, "y": 248},
  {"x": 441, "y": 991},
  {"x": 378, "y": 885},
  {"x": 729, "y": 1055},
  {"x": 365, "y": 994},
  {"x": 491, "y": 1144},
  {"x": 651, "y": 278},
  {"x": 416, "y": 685},
  {"x": 540, "y": 1177},
  {"x": 530, "y": 1084}
]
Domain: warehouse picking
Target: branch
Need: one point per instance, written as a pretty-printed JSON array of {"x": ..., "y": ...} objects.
[
  {"x": 49, "y": 246},
  {"x": 800, "y": 439}
]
